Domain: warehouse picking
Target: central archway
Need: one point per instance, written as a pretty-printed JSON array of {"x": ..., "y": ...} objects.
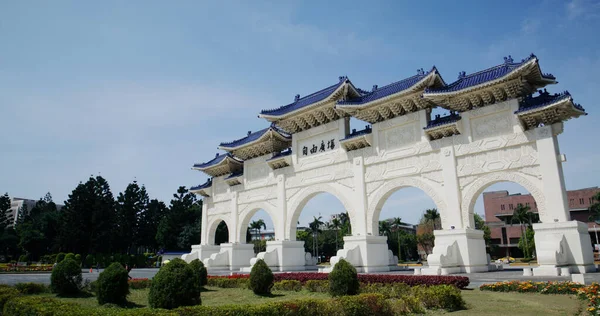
[
  {"x": 382, "y": 194},
  {"x": 299, "y": 202},
  {"x": 248, "y": 213}
]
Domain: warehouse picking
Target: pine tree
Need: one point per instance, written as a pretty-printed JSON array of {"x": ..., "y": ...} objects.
[{"x": 131, "y": 204}]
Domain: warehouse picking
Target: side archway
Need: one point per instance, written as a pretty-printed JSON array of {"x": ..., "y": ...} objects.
[
  {"x": 341, "y": 193},
  {"x": 384, "y": 192},
  {"x": 484, "y": 181},
  {"x": 246, "y": 215},
  {"x": 213, "y": 223}
]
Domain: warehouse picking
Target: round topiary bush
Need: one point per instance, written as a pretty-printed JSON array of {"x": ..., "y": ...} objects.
[
  {"x": 78, "y": 258},
  {"x": 261, "y": 278},
  {"x": 71, "y": 256},
  {"x": 200, "y": 273},
  {"x": 343, "y": 279},
  {"x": 66, "y": 278},
  {"x": 89, "y": 261},
  {"x": 112, "y": 286},
  {"x": 173, "y": 286},
  {"x": 60, "y": 257}
]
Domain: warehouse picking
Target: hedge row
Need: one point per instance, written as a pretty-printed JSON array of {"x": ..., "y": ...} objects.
[
  {"x": 364, "y": 304},
  {"x": 460, "y": 282}
]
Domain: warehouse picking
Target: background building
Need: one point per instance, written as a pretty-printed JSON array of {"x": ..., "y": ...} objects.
[
  {"x": 499, "y": 207},
  {"x": 17, "y": 205}
]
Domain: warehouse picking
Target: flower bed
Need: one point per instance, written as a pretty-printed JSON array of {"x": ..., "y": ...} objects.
[
  {"x": 534, "y": 287},
  {"x": 34, "y": 268},
  {"x": 589, "y": 293},
  {"x": 412, "y": 280}
]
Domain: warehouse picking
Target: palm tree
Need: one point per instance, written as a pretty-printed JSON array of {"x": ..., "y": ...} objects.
[
  {"x": 432, "y": 216},
  {"x": 396, "y": 224},
  {"x": 257, "y": 225},
  {"x": 315, "y": 226},
  {"x": 335, "y": 225},
  {"x": 345, "y": 220},
  {"x": 384, "y": 228},
  {"x": 521, "y": 215}
]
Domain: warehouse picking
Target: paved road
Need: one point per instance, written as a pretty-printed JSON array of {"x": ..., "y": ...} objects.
[{"x": 509, "y": 273}]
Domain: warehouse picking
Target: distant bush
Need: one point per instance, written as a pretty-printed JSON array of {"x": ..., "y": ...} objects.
[
  {"x": 227, "y": 283},
  {"x": 60, "y": 257},
  {"x": 31, "y": 288},
  {"x": 174, "y": 286},
  {"x": 287, "y": 285},
  {"x": 89, "y": 261},
  {"x": 320, "y": 286},
  {"x": 343, "y": 279},
  {"x": 66, "y": 278},
  {"x": 78, "y": 258},
  {"x": 71, "y": 256},
  {"x": 261, "y": 278},
  {"x": 112, "y": 286},
  {"x": 24, "y": 258}
]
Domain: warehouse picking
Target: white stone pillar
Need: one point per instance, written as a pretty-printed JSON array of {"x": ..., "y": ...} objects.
[
  {"x": 233, "y": 231},
  {"x": 451, "y": 216},
  {"x": 204, "y": 225},
  {"x": 360, "y": 198},
  {"x": 553, "y": 182},
  {"x": 281, "y": 222}
]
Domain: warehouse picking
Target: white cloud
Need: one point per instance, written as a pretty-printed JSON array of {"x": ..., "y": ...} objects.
[{"x": 584, "y": 9}]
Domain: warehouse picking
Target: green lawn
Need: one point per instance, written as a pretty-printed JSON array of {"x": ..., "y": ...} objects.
[{"x": 479, "y": 303}]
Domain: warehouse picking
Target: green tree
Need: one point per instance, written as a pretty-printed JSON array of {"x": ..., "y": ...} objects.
[
  {"x": 397, "y": 227},
  {"x": 426, "y": 240},
  {"x": 8, "y": 238},
  {"x": 315, "y": 228},
  {"x": 522, "y": 216},
  {"x": 183, "y": 210},
  {"x": 88, "y": 218},
  {"x": 527, "y": 242},
  {"x": 130, "y": 205},
  {"x": 257, "y": 226},
  {"x": 148, "y": 224},
  {"x": 432, "y": 216},
  {"x": 385, "y": 228},
  {"x": 336, "y": 224},
  {"x": 594, "y": 209},
  {"x": 222, "y": 233},
  {"x": 38, "y": 229},
  {"x": 480, "y": 224}
]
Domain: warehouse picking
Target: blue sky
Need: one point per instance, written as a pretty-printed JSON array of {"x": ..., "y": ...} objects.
[{"x": 143, "y": 89}]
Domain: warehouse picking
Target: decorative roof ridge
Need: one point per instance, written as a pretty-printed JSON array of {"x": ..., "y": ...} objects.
[
  {"x": 421, "y": 75},
  {"x": 218, "y": 158},
  {"x": 205, "y": 185},
  {"x": 439, "y": 120},
  {"x": 343, "y": 79},
  {"x": 508, "y": 63},
  {"x": 544, "y": 99},
  {"x": 257, "y": 135}
]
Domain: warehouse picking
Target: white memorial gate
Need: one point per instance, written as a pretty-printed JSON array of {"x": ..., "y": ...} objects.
[{"x": 496, "y": 131}]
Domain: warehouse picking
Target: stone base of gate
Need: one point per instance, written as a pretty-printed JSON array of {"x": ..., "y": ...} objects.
[
  {"x": 563, "y": 245},
  {"x": 201, "y": 252},
  {"x": 239, "y": 255},
  {"x": 283, "y": 256},
  {"x": 457, "y": 251},
  {"x": 366, "y": 253}
]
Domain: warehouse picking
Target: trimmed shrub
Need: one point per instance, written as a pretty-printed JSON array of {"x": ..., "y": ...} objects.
[
  {"x": 174, "y": 286},
  {"x": 343, "y": 279},
  {"x": 321, "y": 286},
  {"x": 36, "y": 305},
  {"x": 71, "y": 256},
  {"x": 226, "y": 283},
  {"x": 287, "y": 285},
  {"x": 78, "y": 258},
  {"x": 66, "y": 278},
  {"x": 60, "y": 257},
  {"x": 112, "y": 286},
  {"x": 261, "y": 278},
  {"x": 395, "y": 290},
  {"x": 31, "y": 288},
  {"x": 203, "y": 274},
  {"x": 196, "y": 266},
  {"x": 442, "y": 296},
  {"x": 7, "y": 294},
  {"x": 24, "y": 258}
]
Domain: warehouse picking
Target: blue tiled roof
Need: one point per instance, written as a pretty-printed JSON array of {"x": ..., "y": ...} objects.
[
  {"x": 218, "y": 158},
  {"x": 235, "y": 175},
  {"x": 389, "y": 89},
  {"x": 544, "y": 98},
  {"x": 466, "y": 81},
  {"x": 356, "y": 133},
  {"x": 205, "y": 185},
  {"x": 443, "y": 120},
  {"x": 283, "y": 153},
  {"x": 254, "y": 136},
  {"x": 307, "y": 100}
]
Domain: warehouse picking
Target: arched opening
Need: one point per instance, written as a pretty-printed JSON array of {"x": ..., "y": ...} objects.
[
  {"x": 257, "y": 228},
  {"x": 321, "y": 220},
  {"x": 407, "y": 216},
  {"x": 506, "y": 211},
  {"x": 222, "y": 233}
]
